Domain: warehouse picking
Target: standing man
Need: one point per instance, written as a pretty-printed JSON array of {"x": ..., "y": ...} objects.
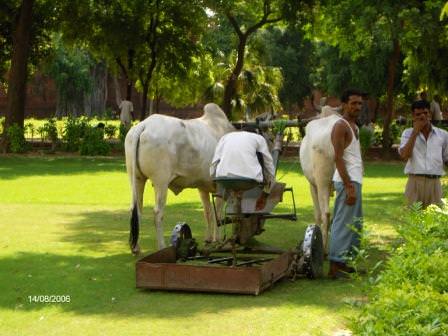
[
  {"x": 425, "y": 147},
  {"x": 436, "y": 112},
  {"x": 126, "y": 113},
  {"x": 347, "y": 178}
]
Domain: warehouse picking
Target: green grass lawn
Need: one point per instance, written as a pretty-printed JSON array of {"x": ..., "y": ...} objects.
[{"x": 64, "y": 225}]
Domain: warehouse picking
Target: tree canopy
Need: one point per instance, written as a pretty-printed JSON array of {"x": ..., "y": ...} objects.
[
  {"x": 248, "y": 56},
  {"x": 402, "y": 42}
]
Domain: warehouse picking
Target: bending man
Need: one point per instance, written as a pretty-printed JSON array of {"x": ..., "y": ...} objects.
[{"x": 245, "y": 155}]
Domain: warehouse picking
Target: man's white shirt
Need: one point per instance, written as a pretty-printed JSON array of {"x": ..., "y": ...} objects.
[
  {"x": 428, "y": 156},
  {"x": 235, "y": 156},
  {"x": 126, "y": 108}
]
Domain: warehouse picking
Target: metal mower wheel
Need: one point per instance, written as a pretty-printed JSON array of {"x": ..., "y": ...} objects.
[
  {"x": 183, "y": 241},
  {"x": 313, "y": 252}
]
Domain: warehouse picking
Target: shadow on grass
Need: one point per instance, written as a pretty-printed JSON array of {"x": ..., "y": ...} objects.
[
  {"x": 13, "y": 167},
  {"x": 106, "y": 284},
  {"x": 96, "y": 230}
]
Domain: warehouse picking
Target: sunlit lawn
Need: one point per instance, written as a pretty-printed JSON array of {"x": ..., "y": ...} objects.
[{"x": 64, "y": 231}]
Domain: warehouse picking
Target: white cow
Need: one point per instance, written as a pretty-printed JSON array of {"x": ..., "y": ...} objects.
[
  {"x": 317, "y": 161},
  {"x": 174, "y": 154}
]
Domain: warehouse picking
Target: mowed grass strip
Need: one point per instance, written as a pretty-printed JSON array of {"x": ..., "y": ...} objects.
[{"x": 64, "y": 224}]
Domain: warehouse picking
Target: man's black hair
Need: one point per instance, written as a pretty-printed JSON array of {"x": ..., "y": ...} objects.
[
  {"x": 420, "y": 104},
  {"x": 351, "y": 92},
  {"x": 250, "y": 129},
  {"x": 423, "y": 94}
]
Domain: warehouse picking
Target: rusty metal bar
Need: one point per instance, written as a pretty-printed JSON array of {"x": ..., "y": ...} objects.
[
  {"x": 219, "y": 260},
  {"x": 256, "y": 261},
  {"x": 266, "y": 124},
  {"x": 291, "y": 217}
]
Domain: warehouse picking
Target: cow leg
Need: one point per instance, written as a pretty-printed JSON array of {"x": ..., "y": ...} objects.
[
  {"x": 316, "y": 204},
  {"x": 213, "y": 232},
  {"x": 159, "y": 207},
  {"x": 324, "y": 200},
  {"x": 219, "y": 203},
  {"x": 323, "y": 173},
  {"x": 205, "y": 198}
]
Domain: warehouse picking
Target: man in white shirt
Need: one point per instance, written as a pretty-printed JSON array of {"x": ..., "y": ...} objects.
[
  {"x": 236, "y": 157},
  {"x": 126, "y": 112},
  {"x": 425, "y": 147}
]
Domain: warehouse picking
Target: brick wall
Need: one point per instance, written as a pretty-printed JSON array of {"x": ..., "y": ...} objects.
[{"x": 41, "y": 100}]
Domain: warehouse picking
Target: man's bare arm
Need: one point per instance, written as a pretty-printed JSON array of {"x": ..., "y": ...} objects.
[
  {"x": 338, "y": 139},
  {"x": 406, "y": 151}
]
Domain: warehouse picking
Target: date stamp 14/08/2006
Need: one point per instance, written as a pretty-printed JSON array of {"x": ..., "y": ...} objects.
[{"x": 49, "y": 298}]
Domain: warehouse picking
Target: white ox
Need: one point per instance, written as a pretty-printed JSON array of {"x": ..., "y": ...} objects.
[
  {"x": 317, "y": 161},
  {"x": 174, "y": 154}
]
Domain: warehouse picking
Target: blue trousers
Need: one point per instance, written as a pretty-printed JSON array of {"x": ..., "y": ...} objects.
[{"x": 346, "y": 225}]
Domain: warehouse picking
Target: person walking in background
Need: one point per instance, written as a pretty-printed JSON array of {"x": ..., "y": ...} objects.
[
  {"x": 425, "y": 147},
  {"x": 436, "y": 112},
  {"x": 126, "y": 113}
]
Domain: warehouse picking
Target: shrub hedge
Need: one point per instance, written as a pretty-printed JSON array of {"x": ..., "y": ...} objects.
[{"x": 411, "y": 294}]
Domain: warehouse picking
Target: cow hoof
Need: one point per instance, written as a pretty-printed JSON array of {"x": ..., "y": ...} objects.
[{"x": 136, "y": 250}]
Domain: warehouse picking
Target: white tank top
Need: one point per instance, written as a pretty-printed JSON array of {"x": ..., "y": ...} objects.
[{"x": 352, "y": 159}]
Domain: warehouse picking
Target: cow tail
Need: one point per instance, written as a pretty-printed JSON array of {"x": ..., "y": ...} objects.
[
  {"x": 135, "y": 212},
  {"x": 135, "y": 227}
]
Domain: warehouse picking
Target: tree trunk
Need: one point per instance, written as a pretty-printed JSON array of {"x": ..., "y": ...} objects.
[
  {"x": 230, "y": 89},
  {"x": 126, "y": 71},
  {"x": 144, "y": 100},
  {"x": 117, "y": 91},
  {"x": 106, "y": 88},
  {"x": 15, "y": 112},
  {"x": 131, "y": 54},
  {"x": 391, "y": 72},
  {"x": 152, "y": 40},
  {"x": 157, "y": 107},
  {"x": 97, "y": 96},
  {"x": 151, "y": 106},
  {"x": 88, "y": 101}
]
